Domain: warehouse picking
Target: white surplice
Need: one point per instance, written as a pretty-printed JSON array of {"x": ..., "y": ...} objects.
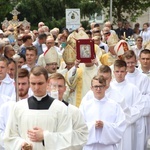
[
  {"x": 55, "y": 122},
  {"x": 109, "y": 93},
  {"x": 132, "y": 97},
  {"x": 113, "y": 118},
  {"x": 7, "y": 86},
  {"x": 80, "y": 130},
  {"x": 142, "y": 82},
  {"x": 4, "y": 113}
]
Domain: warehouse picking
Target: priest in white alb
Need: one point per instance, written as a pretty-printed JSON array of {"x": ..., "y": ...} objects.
[{"x": 39, "y": 122}]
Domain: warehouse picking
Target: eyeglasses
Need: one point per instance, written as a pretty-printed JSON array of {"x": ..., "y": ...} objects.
[{"x": 96, "y": 87}]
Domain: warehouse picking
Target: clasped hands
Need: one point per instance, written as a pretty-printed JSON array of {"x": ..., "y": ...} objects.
[
  {"x": 99, "y": 124},
  {"x": 35, "y": 135}
]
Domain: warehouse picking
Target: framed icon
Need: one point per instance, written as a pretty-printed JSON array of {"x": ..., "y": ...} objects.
[{"x": 85, "y": 50}]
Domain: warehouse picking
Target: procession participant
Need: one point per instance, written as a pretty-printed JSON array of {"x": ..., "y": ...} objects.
[
  {"x": 144, "y": 59},
  {"x": 111, "y": 56},
  {"x": 11, "y": 68},
  {"x": 69, "y": 57},
  {"x": 21, "y": 61},
  {"x": 52, "y": 60},
  {"x": 133, "y": 75},
  {"x": 138, "y": 47},
  {"x": 43, "y": 119},
  {"x": 80, "y": 130},
  {"x": 78, "y": 80},
  {"x": 23, "y": 92},
  {"x": 132, "y": 97},
  {"x": 110, "y": 92},
  {"x": 6, "y": 83},
  {"x": 31, "y": 57},
  {"x": 49, "y": 43},
  {"x": 105, "y": 118}
]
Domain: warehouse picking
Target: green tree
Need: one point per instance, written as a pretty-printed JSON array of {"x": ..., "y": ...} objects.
[
  {"x": 125, "y": 9},
  {"x": 52, "y": 12},
  {"x": 5, "y": 7}
]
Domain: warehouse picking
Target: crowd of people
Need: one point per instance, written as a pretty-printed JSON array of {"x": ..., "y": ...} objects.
[{"x": 50, "y": 100}]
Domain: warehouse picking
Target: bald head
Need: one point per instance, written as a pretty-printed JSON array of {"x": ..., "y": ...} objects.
[{"x": 40, "y": 24}]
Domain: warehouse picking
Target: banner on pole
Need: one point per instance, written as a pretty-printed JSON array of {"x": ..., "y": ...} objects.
[{"x": 72, "y": 19}]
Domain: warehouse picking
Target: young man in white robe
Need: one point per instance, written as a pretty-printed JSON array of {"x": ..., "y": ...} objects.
[
  {"x": 110, "y": 92},
  {"x": 23, "y": 92},
  {"x": 31, "y": 58},
  {"x": 39, "y": 122},
  {"x": 142, "y": 82},
  {"x": 132, "y": 97},
  {"x": 80, "y": 130},
  {"x": 7, "y": 87},
  {"x": 144, "y": 67},
  {"x": 104, "y": 117},
  {"x": 144, "y": 59}
]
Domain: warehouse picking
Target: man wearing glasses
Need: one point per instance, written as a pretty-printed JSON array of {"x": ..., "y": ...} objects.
[{"x": 105, "y": 118}]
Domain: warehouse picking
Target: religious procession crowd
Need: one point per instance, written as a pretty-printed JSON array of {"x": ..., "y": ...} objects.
[{"x": 58, "y": 94}]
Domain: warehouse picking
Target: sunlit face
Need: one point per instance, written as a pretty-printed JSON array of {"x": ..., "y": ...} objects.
[
  {"x": 145, "y": 60},
  {"x": 3, "y": 69},
  {"x": 51, "y": 67},
  {"x": 11, "y": 70},
  {"x": 120, "y": 73},
  {"x": 61, "y": 86},
  {"x": 107, "y": 77},
  {"x": 98, "y": 89},
  {"x": 38, "y": 85},
  {"x": 30, "y": 57},
  {"x": 23, "y": 86},
  {"x": 131, "y": 63}
]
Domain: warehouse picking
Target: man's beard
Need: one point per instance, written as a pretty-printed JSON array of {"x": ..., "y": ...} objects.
[{"x": 22, "y": 93}]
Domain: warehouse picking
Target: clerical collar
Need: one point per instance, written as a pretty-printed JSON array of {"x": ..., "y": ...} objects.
[{"x": 39, "y": 98}]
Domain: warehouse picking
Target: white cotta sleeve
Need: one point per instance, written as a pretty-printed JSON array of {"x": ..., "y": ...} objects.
[
  {"x": 61, "y": 139},
  {"x": 12, "y": 139},
  {"x": 112, "y": 132},
  {"x": 80, "y": 130}
]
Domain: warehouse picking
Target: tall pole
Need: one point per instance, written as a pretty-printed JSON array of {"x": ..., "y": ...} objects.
[{"x": 110, "y": 11}]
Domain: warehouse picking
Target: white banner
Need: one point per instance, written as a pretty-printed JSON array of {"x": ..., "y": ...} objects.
[{"x": 72, "y": 19}]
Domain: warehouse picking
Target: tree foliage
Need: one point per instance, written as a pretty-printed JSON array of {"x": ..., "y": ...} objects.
[
  {"x": 125, "y": 9},
  {"x": 52, "y": 12}
]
